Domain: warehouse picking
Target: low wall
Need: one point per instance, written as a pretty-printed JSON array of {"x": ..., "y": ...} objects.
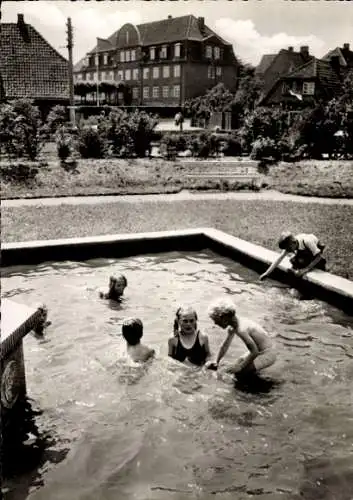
[{"x": 326, "y": 286}]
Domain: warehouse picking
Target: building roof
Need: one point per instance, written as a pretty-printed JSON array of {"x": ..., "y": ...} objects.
[
  {"x": 265, "y": 63},
  {"x": 29, "y": 66},
  {"x": 319, "y": 70},
  {"x": 172, "y": 29},
  {"x": 345, "y": 56}
]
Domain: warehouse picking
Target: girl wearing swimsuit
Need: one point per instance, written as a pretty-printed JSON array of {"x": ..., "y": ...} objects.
[{"x": 188, "y": 344}]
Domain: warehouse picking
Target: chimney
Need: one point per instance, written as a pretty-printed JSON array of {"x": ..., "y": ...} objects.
[
  {"x": 304, "y": 50},
  {"x": 22, "y": 26},
  {"x": 201, "y": 23},
  {"x": 170, "y": 17},
  {"x": 335, "y": 63},
  {"x": 290, "y": 49},
  {"x": 346, "y": 46}
]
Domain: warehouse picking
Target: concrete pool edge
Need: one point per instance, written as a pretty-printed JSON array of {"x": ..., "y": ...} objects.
[{"x": 329, "y": 287}]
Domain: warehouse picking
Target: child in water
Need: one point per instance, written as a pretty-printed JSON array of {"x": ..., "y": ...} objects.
[
  {"x": 43, "y": 322},
  {"x": 117, "y": 285},
  {"x": 132, "y": 331},
  {"x": 261, "y": 349},
  {"x": 187, "y": 342}
]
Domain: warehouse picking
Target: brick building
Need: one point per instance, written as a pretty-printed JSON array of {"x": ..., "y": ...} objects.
[
  {"x": 161, "y": 63},
  {"x": 31, "y": 68}
]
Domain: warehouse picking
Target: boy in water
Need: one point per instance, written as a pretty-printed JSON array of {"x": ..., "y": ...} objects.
[
  {"x": 187, "y": 343},
  {"x": 117, "y": 285},
  {"x": 132, "y": 331},
  {"x": 261, "y": 349},
  {"x": 43, "y": 322},
  {"x": 307, "y": 250}
]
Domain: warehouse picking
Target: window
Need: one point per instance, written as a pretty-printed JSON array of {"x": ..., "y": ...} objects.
[
  {"x": 128, "y": 74},
  {"x": 285, "y": 88},
  {"x": 219, "y": 71},
  {"x": 146, "y": 92},
  {"x": 135, "y": 92},
  {"x": 99, "y": 76},
  {"x": 91, "y": 76},
  {"x": 176, "y": 91},
  {"x": 127, "y": 56},
  {"x": 152, "y": 53},
  {"x": 135, "y": 74},
  {"x": 309, "y": 88},
  {"x": 166, "y": 72},
  {"x": 177, "y": 50},
  {"x": 217, "y": 53},
  {"x": 105, "y": 58},
  {"x": 122, "y": 56},
  {"x": 165, "y": 91},
  {"x": 211, "y": 73},
  {"x": 155, "y": 92},
  {"x": 84, "y": 76},
  {"x": 133, "y": 55},
  {"x": 209, "y": 51},
  {"x": 156, "y": 72},
  {"x": 103, "y": 77},
  {"x": 96, "y": 60},
  {"x": 146, "y": 73},
  {"x": 164, "y": 52},
  {"x": 177, "y": 71},
  {"x": 120, "y": 75}
]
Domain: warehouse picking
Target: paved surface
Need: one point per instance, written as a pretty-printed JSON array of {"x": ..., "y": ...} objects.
[{"x": 182, "y": 196}]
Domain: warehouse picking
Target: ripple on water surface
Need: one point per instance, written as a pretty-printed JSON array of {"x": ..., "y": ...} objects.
[{"x": 165, "y": 430}]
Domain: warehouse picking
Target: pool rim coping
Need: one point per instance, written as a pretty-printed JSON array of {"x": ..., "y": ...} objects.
[{"x": 326, "y": 282}]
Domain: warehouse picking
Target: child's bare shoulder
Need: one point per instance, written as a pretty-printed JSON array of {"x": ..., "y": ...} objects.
[{"x": 248, "y": 325}]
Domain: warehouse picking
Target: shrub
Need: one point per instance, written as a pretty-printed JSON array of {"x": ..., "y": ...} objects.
[
  {"x": 19, "y": 172},
  {"x": 57, "y": 118},
  {"x": 63, "y": 144},
  {"x": 232, "y": 146},
  {"x": 264, "y": 148},
  {"x": 91, "y": 143},
  {"x": 21, "y": 129}
]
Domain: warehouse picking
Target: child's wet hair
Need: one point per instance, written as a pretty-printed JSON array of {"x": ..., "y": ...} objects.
[
  {"x": 284, "y": 239},
  {"x": 115, "y": 279},
  {"x": 221, "y": 308},
  {"x": 179, "y": 312},
  {"x": 132, "y": 330}
]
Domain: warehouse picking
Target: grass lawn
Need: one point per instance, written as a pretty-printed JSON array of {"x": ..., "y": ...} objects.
[{"x": 257, "y": 221}]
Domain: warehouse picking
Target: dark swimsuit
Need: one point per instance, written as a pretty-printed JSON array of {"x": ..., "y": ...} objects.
[
  {"x": 304, "y": 257},
  {"x": 196, "y": 354}
]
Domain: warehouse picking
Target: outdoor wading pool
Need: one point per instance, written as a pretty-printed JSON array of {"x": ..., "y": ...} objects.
[{"x": 168, "y": 431}]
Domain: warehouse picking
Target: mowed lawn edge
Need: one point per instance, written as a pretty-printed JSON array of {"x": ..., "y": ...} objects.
[
  {"x": 332, "y": 179},
  {"x": 259, "y": 221}
]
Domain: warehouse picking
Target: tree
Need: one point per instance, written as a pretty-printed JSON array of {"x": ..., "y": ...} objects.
[{"x": 219, "y": 98}]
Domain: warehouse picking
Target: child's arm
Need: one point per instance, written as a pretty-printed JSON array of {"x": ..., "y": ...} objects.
[
  {"x": 207, "y": 347},
  {"x": 225, "y": 346},
  {"x": 171, "y": 346},
  {"x": 274, "y": 265},
  {"x": 312, "y": 264}
]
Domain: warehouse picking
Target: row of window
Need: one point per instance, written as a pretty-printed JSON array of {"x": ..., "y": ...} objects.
[
  {"x": 157, "y": 92},
  {"x": 134, "y": 74},
  {"x": 211, "y": 52}
]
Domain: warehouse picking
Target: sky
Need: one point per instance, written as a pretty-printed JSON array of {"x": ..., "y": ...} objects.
[{"x": 254, "y": 27}]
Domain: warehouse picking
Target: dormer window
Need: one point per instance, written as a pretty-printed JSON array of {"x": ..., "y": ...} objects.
[
  {"x": 152, "y": 53},
  {"x": 209, "y": 51},
  {"x": 163, "y": 53},
  {"x": 217, "y": 53},
  {"x": 177, "y": 50}
]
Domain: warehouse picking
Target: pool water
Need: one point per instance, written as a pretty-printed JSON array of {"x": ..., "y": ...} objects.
[{"x": 165, "y": 430}]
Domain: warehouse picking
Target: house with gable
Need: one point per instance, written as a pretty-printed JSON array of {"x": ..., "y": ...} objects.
[
  {"x": 31, "y": 68},
  {"x": 161, "y": 63}
]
